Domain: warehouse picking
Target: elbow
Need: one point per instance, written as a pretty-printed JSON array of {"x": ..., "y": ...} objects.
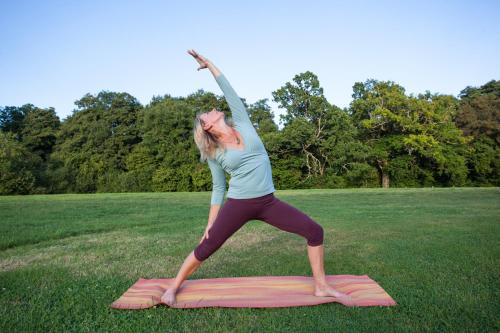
[{"x": 219, "y": 188}]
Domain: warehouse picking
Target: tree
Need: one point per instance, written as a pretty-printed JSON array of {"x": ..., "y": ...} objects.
[
  {"x": 39, "y": 130},
  {"x": 16, "y": 165},
  {"x": 320, "y": 134},
  {"x": 12, "y": 117},
  {"x": 262, "y": 117},
  {"x": 96, "y": 139},
  {"x": 304, "y": 120},
  {"x": 394, "y": 125},
  {"x": 479, "y": 117}
]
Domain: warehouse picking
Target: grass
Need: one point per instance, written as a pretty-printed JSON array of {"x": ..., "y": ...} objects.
[{"x": 65, "y": 258}]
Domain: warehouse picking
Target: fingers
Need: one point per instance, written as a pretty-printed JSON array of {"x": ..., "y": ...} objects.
[
  {"x": 198, "y": 57},
  {"x": 193, "y": 53},
  {"x": 202, "y": 238},
  {"x": 205, "y": 235}
]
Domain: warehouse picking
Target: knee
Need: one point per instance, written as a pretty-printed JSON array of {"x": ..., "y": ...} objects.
[
  {"x": 201, "y": 252},
  {"x": 205, "y": 249},
  {"x": 198, "y": 254},
  {"x": 316, "y": 234}
]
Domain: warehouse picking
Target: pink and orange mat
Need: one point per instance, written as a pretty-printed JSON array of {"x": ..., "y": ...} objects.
[{"x": 253, "y": 292}]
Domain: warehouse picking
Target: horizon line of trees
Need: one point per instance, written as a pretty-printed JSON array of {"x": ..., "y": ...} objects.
[{"x": 385, "y": 137}]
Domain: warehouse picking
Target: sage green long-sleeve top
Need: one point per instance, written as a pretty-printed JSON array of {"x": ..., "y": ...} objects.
[{"x": 250, "y": 168}]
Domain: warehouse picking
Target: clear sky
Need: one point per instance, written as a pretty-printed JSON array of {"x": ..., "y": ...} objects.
[{"x": 54, "y": 52}]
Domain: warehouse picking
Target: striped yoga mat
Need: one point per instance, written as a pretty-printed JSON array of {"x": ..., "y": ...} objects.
[{"x": 253, "y": 292}]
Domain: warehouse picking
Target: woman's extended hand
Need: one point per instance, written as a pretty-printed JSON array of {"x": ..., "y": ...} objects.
[
  {"x": 201, "y": 60},
  {"x": 206, "y": 232}
]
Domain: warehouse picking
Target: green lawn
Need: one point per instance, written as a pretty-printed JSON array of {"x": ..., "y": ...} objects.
[{"x": 65, "y": 258}]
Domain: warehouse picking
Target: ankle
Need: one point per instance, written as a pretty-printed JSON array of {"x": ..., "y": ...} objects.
[{"x": 322, "y": 285}]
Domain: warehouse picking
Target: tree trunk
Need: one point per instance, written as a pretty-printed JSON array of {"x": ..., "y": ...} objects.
[
  {"x": 385, "y": 180},
  {"x": 384, "y": 176}
]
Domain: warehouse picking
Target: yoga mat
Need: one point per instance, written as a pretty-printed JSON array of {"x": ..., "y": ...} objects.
[{"x": 253, "y": 292}]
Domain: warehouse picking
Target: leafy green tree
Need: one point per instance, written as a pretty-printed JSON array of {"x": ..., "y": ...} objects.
[
  {"x": 12, "y": 118},
  {"x": 479, "y": 111},
  {"x": 16, "y": 165},
  {"x": 484, "y": 162},
  {"x": 317, "y": 136},
  {"x": 39, "y": 131},
  {"x": 167, "y": 132},
  {"x": 394, "y": 125},
  {"x": 262, "y": 117},
  {"x": 96, "y": 139},
  {"x": 141, "y": 165},
  {"x": 173, "y": 158},
  {"x": 36, "y": 129},
  {"x": 479, "y": 116}
]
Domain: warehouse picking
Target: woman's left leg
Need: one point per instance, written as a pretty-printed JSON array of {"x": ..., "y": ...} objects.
[{"x": 288, "y": 218}]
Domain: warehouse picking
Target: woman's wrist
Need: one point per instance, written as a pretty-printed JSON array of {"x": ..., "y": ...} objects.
[
  {"x": 213, "y": 69},
  {"x": 210, "y": 65}
]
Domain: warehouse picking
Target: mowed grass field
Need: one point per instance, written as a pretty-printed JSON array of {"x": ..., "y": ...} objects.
[{"x": 65, "y": 258}]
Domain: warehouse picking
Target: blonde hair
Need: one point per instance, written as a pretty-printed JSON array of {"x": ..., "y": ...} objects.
[{"x": 205, "y": 141}]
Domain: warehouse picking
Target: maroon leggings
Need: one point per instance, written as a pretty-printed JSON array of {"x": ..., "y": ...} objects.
[{"x": 234, "y": 213}]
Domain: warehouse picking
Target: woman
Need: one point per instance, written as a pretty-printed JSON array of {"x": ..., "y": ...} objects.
[{"x": 237, "y": 149}]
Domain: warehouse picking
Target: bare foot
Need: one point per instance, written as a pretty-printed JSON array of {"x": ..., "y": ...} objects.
[
  {"x": 329, "y": 291},
  {"x": 169, "y": 296}
]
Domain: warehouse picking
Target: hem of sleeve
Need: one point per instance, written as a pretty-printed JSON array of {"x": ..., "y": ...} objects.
[
  {"x": 220, "y": 77},
  {"x": 218, "y": 201}
]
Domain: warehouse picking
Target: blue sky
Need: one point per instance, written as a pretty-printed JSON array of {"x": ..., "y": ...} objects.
[{"x": 54, "y": 52}]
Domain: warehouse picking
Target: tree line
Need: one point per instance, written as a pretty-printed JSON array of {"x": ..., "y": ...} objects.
[{"x": 384, "y": 138}]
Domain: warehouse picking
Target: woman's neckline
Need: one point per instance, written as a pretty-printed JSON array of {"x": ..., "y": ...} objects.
[{"x": 243, "y": 143}]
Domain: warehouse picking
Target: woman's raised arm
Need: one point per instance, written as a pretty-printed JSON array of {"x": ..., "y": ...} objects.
[{"x": 238, "y": 110}]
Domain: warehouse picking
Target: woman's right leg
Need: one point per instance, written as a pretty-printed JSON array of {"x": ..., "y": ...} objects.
[
  {"x": 231, "y": 217},
  {"x": 288, "y": 218}
]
